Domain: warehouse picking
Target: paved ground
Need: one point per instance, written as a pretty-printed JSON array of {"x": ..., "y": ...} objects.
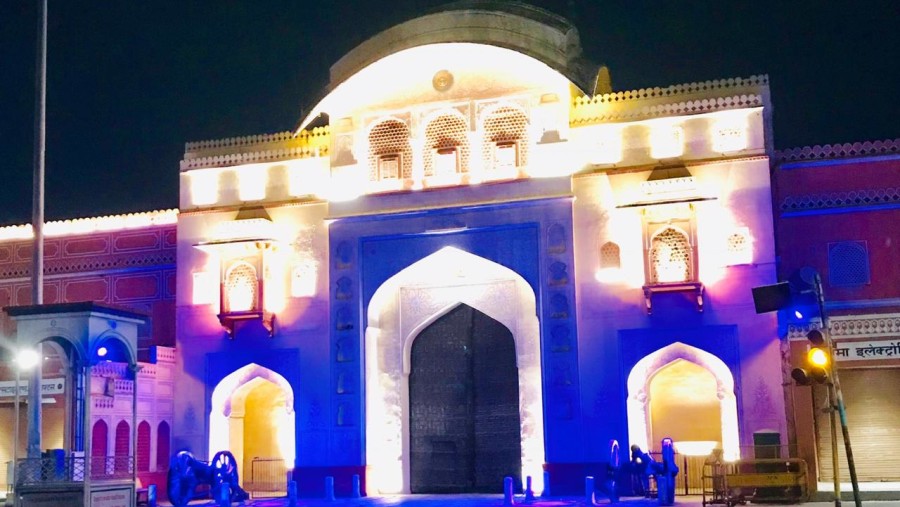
[{"x": 497, "y": 501}]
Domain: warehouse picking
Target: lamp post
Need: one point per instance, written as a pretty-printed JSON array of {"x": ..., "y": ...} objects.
[{"x": 25, "y": 360}]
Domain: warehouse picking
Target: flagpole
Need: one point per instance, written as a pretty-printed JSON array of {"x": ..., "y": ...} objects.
[{"x": 37, "y": 220}]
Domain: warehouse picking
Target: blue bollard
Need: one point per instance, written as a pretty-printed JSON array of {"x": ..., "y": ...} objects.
[
  {"x": 589, "y": 490},
  {"x": 665, "y": 473},
  {"x": 329, "y": 488},
  {"x": 224, "y": 496},
  {"x": 151, "y": 495},
  {"x": 356, "y": 491},
  {"x": 545, "y": 493},
  {"x": 508, "y": 491},
  {"x": 292, "y": 493},
  {"x": 529, "y": 493}
]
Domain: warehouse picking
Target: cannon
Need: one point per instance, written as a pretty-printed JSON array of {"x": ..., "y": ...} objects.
[{"x": 221, "y": 475}]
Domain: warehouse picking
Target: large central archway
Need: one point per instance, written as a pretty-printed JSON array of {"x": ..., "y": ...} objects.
[
  {"x": 464, "y": 405},
  {"x": 410, "y": 302}
]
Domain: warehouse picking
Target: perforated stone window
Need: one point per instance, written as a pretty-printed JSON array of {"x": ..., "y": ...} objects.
[
  {"x": 848, "y": 263},
  {"x": 610, "y": 256},
  {"x": 241, "y": 288},
  {"x": 505, "y": 143},
  {"x": 446, "y": 145},
  {"x": 739, "y": 247},
  {"x": 670, "y": 257},
  {"x": 390, "y": 153}
]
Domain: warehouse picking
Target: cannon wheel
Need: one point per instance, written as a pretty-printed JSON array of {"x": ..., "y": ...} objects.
[
  {"x": 225, "y": 467},
  {"x": 181, "y": 479},
  {"x": 225, "y": 475}
]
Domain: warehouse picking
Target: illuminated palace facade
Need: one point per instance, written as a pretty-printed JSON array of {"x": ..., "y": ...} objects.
[
  {"x": 470, "y": 260},
  {"x": 465, "y": 264}
]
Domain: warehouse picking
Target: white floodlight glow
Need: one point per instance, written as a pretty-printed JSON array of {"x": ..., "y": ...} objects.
[{"x": 27, "y": 359}]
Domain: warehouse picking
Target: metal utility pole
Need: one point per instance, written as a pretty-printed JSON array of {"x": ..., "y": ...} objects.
[
  {"x": 837, "y": 401},
  {"x": 37, "y": 221}
]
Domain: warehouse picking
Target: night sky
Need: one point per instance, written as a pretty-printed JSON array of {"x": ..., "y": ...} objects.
[{"x": 129, "y": 82}]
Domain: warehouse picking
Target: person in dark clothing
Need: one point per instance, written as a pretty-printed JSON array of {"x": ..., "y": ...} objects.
[{"x": 640, "y": 467}]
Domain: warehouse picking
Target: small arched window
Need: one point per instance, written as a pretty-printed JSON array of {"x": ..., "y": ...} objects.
[
  {"x": 446, "y": 146},
  {"x": 739, "y": 246},
  {"x": 609, "y": 256},
  {"x": 505, "y": 145},
  {"x": 670, "y": 257},
  {"x": 162, "y": 446},
  {"x": 241, "y": 288},
  {"x": 123, "y": 441},
  {"x": 390, "y": 152},
  {"x": 143, "y": 447}
]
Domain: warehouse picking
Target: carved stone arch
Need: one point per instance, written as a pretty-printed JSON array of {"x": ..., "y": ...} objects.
[
  {"x": 504, "y": 124},
  {"x": 445, "y": 129},
  {"x": 638, "y": 400},
  {"x": 671, "y": 255},
  {"x": 610, "y": 256},
  {"x": 407, "y": 303},
  {"x": 232, "y": 387},
  {"x": 389, "y": 136}
]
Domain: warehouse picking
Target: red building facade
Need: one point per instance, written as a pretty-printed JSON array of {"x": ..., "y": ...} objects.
[{"x": 837, "y": 209}]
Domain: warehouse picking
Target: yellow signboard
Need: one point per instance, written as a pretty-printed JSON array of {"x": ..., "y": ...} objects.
[{"x": 763, "y": 480}]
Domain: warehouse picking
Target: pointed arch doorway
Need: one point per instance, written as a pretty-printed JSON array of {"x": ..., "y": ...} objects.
[
  {"x": 402, "y": 309},
  {"x": 252, "y": 415},
  {"x": 685, "y": 393},
  {"x": 464, "y": 405}
]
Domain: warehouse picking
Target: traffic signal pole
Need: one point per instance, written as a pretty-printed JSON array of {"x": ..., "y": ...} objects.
[
  {"x": 836, "y": 399},
  {"x": 835, "y": 466}
]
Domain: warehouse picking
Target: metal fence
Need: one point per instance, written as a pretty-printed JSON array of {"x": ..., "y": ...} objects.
[
  {"x": 268, "y": 477},
  {"x": 689, "y": 480},
  {"x": 72, "y": 469}
]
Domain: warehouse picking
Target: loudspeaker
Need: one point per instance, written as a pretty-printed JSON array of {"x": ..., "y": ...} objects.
[{"x": 770, "y": 298}]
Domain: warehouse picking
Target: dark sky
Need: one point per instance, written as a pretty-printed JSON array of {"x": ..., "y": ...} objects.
[{"x": 131, "y": 81}]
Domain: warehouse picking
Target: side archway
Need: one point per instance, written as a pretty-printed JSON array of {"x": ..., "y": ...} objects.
[
  {"x": 405, "y": 305},
  {"x": 253, "y": 400},
  {"x": 639, "y": 390}
]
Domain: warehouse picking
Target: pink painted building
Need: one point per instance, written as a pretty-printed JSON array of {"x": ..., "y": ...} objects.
[
  {"x": 124, "y": 261},
  {"x": 837, "y": 210}
]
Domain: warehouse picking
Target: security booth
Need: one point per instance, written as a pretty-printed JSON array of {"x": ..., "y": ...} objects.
[{"x": 92, "y": 462}]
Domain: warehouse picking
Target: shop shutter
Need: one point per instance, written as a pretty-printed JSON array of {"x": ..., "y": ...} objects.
[{"x": 872, "y": 400}]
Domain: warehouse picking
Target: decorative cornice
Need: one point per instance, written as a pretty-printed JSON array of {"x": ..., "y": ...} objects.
[
  {"x": 855, "y": 326},
  {"x": 854, "y": 198},
  {"x": 110, "y": 223},
  {"x": 253, "y": 157},
  {"x": 674, "y": 90},
  {"x": 259, "y": 148},
  {"x": 595, "y": 113},
  {"x": 277, "y": 137},
  {"x": 837, "y": 151}
]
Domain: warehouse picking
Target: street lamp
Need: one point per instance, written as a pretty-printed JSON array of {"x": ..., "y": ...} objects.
[{"x": 25, "y": 359}]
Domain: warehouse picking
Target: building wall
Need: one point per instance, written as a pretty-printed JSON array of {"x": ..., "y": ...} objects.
[
  {"x": 826, "y": 196},
  {"x": 131, "y": 265}
]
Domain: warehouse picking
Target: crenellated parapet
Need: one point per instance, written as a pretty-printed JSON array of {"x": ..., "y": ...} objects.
[
  {"x": 256, "y": 148},
  {"x": 681, "y": 99}
]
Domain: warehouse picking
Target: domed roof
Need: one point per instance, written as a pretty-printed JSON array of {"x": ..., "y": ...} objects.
[{"x": 535, "y": 34}]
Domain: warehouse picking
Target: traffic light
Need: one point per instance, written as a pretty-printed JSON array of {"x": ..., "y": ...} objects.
[{"x": 818, "y": 361}]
